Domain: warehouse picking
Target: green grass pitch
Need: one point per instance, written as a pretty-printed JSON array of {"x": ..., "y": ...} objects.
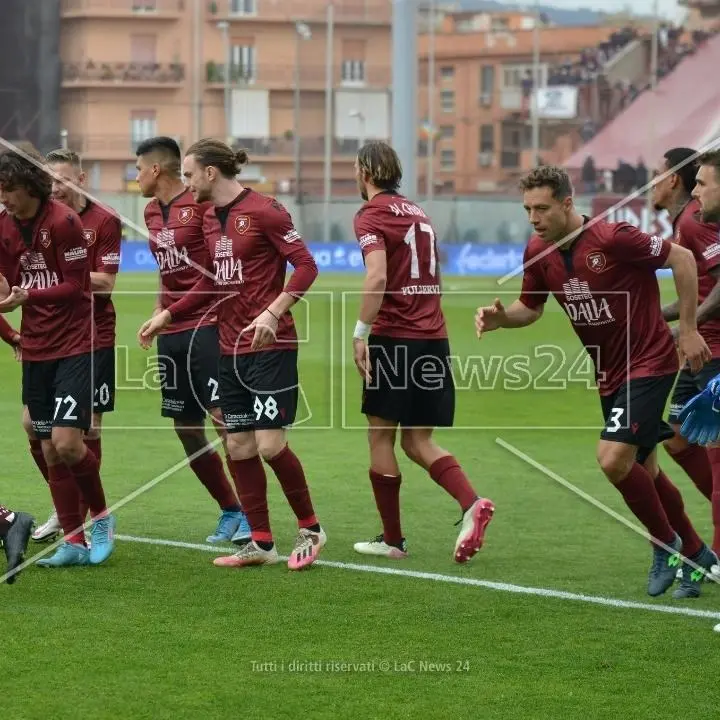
[{"x": 158, "y": 632}]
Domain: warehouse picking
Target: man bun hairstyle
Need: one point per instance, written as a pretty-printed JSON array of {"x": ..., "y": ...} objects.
[{"x": 215, "y": 153}]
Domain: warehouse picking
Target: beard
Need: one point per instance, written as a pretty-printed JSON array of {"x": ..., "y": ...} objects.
[{"x": 711, "y": 216}]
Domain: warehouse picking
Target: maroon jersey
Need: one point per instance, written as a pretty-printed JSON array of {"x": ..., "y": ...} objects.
[
  {"x": 703, "y": 239},
  {"x": 176, "y": 241},
  {"x": 250, "y": 241},
  {"x": 607, "y": 285},
  {"x": 47, "y": 256},
  {"x": 411, "y": 305},
  {"x": 103, "y": 234}
]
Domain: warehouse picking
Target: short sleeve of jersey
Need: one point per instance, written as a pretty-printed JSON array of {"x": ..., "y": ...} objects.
[
  {"x": 706, "y": 243},
  {"x": 107, "y": 256},
  {"x": 368, "y": 232},
  {"x": 534, "y": 292},
  {"x": 634, "y": 246}
]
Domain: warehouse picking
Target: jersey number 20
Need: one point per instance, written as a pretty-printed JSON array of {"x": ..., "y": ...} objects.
[{"x": 414, "y": 236}]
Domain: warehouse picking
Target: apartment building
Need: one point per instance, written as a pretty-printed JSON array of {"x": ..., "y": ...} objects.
[
  {"x": 480, "y": 112},
  {"x": 132, "y": 69}
]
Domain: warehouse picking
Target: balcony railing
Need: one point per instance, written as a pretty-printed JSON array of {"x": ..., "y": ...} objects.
[
  {"x": 376, "y": 12},
  {"x": 108, "y": 146},
  {"x": 285, "y": 146},
  {"x": 283, "y": 76},
  {"x": 151, "y": 8},
  {"x": 138, "y": 74}
]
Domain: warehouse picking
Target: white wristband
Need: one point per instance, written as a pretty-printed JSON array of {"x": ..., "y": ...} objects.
[{"x": 362, "y": 330}]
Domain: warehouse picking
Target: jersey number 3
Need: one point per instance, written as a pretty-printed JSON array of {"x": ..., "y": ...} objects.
[{"x": 413, "y": 237}]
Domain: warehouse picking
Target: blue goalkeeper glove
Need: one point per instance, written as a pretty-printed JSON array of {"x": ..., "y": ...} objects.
[{"x": 700, "y": 417}]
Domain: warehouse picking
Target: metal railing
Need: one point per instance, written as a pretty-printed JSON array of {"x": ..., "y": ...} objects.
[
  {"x": 138, "y": 7},
  {"x": 123, "y": 72}
]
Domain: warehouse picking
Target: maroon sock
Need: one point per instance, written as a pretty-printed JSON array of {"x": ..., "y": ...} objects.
[
  {"x": 448, "y": 474},
  {"x": 231, "y": 470},
  {"x": 674, "y": 506},
  {"x": 66, "y": 498},
  {"x": 39, "y": 458},
  {"x": 6, "y": 519},
  {"x": 714, "y": 456},
  {"x": 638, "y": 491},
  {"x": 386, "y": 489},
  {"x": 289, "y": 471},
  {"x": 252, "y": 491},
  {"x": 695, "y": 461},
  {"x": 95, "y": 447},
  {"x": 210, "y": 472},
  {"x": 87, "y": 476}
]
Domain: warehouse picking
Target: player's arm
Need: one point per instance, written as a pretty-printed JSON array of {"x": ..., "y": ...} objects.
[
  {"x": 8, "y": 333},
  {"x": 373, "y": 290},
  {"x": 71, "y": 255},
  {"x": 524, "y": 311},
  {"x": 102, "y": 277}
]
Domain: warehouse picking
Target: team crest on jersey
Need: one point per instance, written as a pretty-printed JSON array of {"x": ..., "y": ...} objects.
[
  {"x": 596, "y": 262},
  {"x": 185, "y": 215},
  {"x": 45, "y": 238},
  {"x": 242, "y": 223},
  {"x": 89, "y": 237}
]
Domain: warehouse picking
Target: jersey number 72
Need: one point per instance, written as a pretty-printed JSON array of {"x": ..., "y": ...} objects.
[{"x": 416, "y": 234}]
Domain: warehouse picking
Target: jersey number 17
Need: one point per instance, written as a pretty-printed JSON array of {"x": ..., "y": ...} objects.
[{"x": 414, "y": 237}]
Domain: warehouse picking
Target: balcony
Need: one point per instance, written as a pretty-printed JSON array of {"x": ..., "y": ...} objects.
[
  {"x": 118, "y": 9},
  {"x": 366, "y": 12},
  {"x": 282, "y": 77},
  {"x": 122, "y": 74},
  {"x": 107, "y": 147},
  {"x": 283, "y": 147}
]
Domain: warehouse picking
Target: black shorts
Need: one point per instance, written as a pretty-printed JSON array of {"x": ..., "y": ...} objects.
[
  {"x": 634, "y": 413},
  {"x": 58, "y": 393},
  {"x": 689, "y": 385},
  {"x": 188, "y": 366},
  {"x": 259, "y": 391},
  {"x": 411, "y": 382},
  {"x": 103, "y": 377}
]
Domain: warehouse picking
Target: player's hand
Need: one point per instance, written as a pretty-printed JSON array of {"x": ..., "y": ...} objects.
[
  {"x": 361, "y": 355},
  {"x": 265, "y": 326},
  {"x": 18, "y": 296},
  {"x": 4, "y": 286},
  {"x": 17, "y": 349},
  {"x": 489, "y": 318},
  {"x": 152, "y": 327},
  {"x": 693, "y": 350}
]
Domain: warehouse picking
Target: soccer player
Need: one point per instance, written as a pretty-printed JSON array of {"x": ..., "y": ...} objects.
[
  {"x": 188, "y": 349},
  {"x": 103, "y": 234},
  {"x": 15, "y": 528},
  {"x": 604, "y": 277},
  {"x": 251, "y": 238},
  {"x": 402, "y": 352},
  {"x": 45, "y": 270},
  {"x": 673, "y": 193}
]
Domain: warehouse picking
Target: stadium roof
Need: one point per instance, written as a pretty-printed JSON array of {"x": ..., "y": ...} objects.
[{"x": 683, "y": 111}]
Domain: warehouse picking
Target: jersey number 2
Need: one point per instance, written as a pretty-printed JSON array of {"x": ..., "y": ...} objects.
[{"x": 412, "y": 239}]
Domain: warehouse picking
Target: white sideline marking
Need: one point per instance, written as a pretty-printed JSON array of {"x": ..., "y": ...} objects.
[{"x": 453, "y": 579}]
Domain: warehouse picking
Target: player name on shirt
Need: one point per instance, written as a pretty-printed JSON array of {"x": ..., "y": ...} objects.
[{"x": 411, "y": 305}]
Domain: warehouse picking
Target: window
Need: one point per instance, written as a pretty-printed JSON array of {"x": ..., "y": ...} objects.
[
  {"x": 487, "y": 138},
  {"x": 513, "y": 75},
  {"x": 143, "y": 125},
  {"x": 447, "y": 159},
  {"x": 143, "y": 48},
  {"x": 447, "y": 132},
  {"x": 242, "y": 7},
  {"x": 487, "y": 85},
  {"x": 242, "y": 62},
  {"x": 447, "y": 101},
  {"x": 353, "y": 71},
  {"x": 144, "y": 5},
  {"x": 447, "y": 72}
]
